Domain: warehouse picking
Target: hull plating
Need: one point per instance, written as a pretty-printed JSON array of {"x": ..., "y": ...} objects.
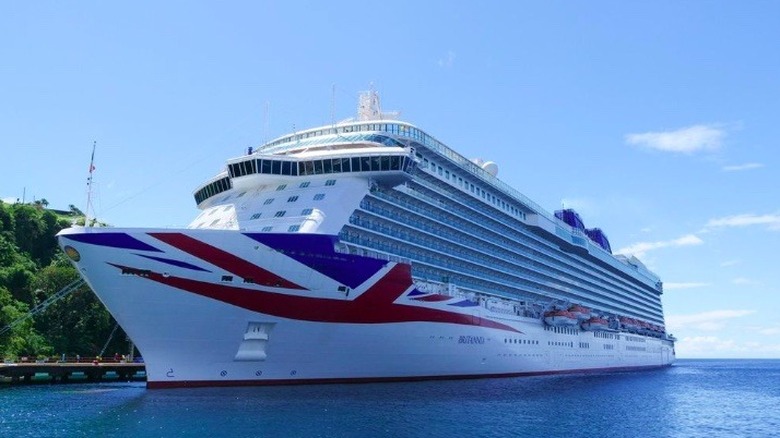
[{"x": 212, "y": 307}]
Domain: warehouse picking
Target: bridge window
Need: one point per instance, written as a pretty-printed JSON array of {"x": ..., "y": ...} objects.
[{"x": 344, "y": 164}]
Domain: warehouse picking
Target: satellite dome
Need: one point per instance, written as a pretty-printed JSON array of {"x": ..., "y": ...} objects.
[{"x": 490, "y": 167}]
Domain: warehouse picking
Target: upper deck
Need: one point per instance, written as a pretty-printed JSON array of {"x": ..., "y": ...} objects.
[{"x": 374, "y": 145}]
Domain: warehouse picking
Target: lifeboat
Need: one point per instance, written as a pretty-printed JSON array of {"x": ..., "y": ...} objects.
[
  {"x": 629, "y": 324},
  {"x": 595, "y": 323},
  {"x": 580, "y": 312},
  {"x": 560, "y": 318}
]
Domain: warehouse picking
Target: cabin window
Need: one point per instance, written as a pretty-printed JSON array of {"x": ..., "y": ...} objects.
[
  {"x": 266, "y": 229},
  {"x": 256, "y": 216},
  {"x": 306, "y": 211},
  {"x": 281, "y": 187},
  {"x": 292, "y": 198},
  {"x": 268, "y": 201},
  {"x": 280, "y": 213},
  {"x": 294, "y": 228},
  {"x": 304, "y": 184},
  {"x": 319, "y": 196},
  {"x": 330, "y": 182}
]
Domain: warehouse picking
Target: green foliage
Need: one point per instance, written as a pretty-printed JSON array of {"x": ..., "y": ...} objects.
[{"x": 32, "y": 268}]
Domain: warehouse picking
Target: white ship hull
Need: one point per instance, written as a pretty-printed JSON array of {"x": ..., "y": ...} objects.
[{"x": 210, "y": 307}]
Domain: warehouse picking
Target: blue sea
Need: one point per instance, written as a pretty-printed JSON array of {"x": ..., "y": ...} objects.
[{"x": 693, "y": 398}]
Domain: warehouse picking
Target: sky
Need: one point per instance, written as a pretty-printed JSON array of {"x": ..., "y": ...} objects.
[{"x": 656, "y": 121}]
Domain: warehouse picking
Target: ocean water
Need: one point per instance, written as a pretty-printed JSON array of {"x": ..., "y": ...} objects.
[{"x": 693, "y": 398}]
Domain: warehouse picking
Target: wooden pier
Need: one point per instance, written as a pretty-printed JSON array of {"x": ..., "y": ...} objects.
[{"x": 62, "y": 372}]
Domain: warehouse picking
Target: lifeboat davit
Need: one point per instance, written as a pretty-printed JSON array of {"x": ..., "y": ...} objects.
[
  {"x": 595, "y": 323},
  {"x": 580, "y": 312},
  {"x": 560, "y": 318}
]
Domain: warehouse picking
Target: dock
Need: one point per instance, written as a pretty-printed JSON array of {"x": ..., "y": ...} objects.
[{"x": 67, "y": 371}]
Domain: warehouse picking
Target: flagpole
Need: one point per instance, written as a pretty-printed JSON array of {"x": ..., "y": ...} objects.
[{"x": 89, "y": 185}]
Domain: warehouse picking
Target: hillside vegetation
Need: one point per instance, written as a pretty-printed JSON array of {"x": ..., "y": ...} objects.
[{"x": 33, "y": 268}]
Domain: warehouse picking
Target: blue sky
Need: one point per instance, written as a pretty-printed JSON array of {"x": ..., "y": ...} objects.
[{"x": 657, "y": 121}]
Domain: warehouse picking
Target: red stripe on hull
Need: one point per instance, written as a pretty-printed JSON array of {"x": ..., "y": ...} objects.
[
  {"x": 224, "y": 260},
  {"x": 373, "y": 306},
  {"x": 280, "y": 382}
]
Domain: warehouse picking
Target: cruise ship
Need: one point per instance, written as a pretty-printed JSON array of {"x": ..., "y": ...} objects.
[{"x": 364, "y": 251}]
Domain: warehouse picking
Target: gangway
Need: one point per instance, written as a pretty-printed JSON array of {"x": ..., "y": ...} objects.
[{"x": 65, "y": 291}]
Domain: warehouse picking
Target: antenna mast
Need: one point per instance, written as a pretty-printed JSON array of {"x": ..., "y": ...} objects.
[
  {"x": 333, "y": 106},
  {"x": 89, "y": 185},
  {"x": 368, "y": 105},
  {"x": 266, "y": 125}
]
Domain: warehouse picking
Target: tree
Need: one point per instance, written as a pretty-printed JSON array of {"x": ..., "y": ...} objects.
[
  {"x": 32, "y": 269},
  {"x": 75, "y": 211},
  {"x": 78, "y": 323}
]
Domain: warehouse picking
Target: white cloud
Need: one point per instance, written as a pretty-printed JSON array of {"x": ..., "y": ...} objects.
[
  {"x": 693, "y": 346},
  {"x": 741, "y": 167},
  {"x": 672, "y": 286},
  {"x": 639, "y": 249},
  {"x": 715, "y": 347},
  {"x": 448, "y": 60},
  {"x": 9, "y": 200},
  {"x": 684, "y": 140},
  {"x": 730, "y": 263},
  {"x": 705, "y": 321},
  {"x": 771, "y": 331},
  {"x": 746, "y": 220},
  {"x": 743, "y": 281}
]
